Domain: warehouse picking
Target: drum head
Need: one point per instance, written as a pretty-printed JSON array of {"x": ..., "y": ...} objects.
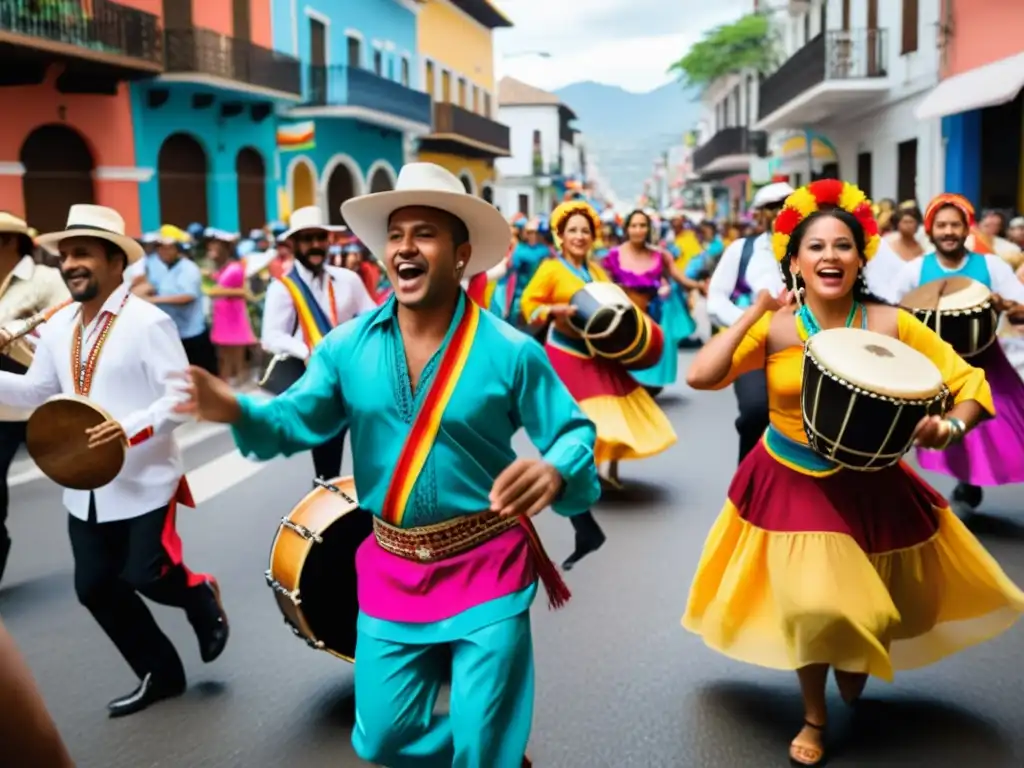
[
  {"x": 330, "y": 599},
  {"x": 946, "y": 295},
  {"x": 590, "y": 300},
  {"x": 875, "y": 362},
  {"x": 56, "y": 441}
]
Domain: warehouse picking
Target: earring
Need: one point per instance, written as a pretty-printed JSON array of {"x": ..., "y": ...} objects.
[
  {"x": 798, "y": 291},
  {"x": 460, "y": 264}
]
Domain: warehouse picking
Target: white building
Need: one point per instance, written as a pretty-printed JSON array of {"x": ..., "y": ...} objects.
[
  {"x": 852, "y": 73},
  {"x": 543, "y": 148}
]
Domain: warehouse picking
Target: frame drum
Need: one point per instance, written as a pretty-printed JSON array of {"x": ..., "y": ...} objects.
[
  {"x": 863, "y": 395},
  {"x": 959, "y": 310},
  {"x": 313, "y": 566},
  {"x": 56, "y": 441},
  {"x": 610, "y": 324}
]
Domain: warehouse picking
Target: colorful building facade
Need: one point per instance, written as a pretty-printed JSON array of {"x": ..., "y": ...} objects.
[
  {"x": 361, "y": 100},
  {"x": 981, "y": 102},
  {"x": 457, "y": 50}
]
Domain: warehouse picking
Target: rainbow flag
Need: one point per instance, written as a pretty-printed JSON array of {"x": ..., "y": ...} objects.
[{"x": 296, "y": 137}]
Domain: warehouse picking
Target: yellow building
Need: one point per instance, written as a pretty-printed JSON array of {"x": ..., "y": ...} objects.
[{"x": 456, "y": 48}]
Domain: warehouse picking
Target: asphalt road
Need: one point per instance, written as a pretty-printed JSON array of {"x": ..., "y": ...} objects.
[{"x": 619, "y": 682}]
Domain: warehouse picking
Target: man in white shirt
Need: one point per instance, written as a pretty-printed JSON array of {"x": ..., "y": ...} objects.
[
  {"x": 123, "y": 534},
  {"x": 306, "y": 304},
  {"x": 26, "y": 288},
  {"x": 731, "y": 291}
]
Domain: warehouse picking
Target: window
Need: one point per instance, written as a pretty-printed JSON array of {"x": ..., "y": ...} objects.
[
  {"x": 462, "y": 92},
  {"x": 864, "y": 172},
  {"x": 476, "y": 99},
  {"x": 405, "y": 75},
  {"x": 355, "y": 52},
  {"x": 906, "y": 170},
  {"x": 391, "y": 68},
  {"x": 487, "y": 105},
  {"x": 524, "y": 205},
  {"x": 446, "y": 86},
  {"x": 429, "y": 75},
  {"x": 807, "y": 28},
  {"x": 378, "y": 63},
  {"x": 910, "y": 24},
  {"x": 846, "y": 15}
]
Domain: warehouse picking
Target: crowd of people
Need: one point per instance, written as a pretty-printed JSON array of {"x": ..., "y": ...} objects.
[{"x": 807, "y": 568}]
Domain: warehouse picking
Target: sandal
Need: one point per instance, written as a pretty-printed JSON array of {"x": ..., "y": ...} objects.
[{"x": 804, "y": 756}]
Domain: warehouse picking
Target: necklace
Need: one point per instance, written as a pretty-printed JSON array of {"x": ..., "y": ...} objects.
[
  {"x": 82, "y": 375},
  {"x": 809, "y": 325}
]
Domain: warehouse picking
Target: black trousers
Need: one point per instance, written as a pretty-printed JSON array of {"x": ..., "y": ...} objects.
[
  {"x": 117, "y": 561},
  {"x": 12, "y": 436},
  {"x": 200, "y": 352},
  {"x": 327, "y": 457},
  {"x": 752, "y": 398}
]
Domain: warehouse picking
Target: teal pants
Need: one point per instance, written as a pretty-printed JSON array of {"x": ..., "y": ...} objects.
[{"x": 491, "y": 703}]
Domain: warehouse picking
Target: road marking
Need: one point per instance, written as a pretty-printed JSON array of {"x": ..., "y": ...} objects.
[
  {"x": 195, "y": 435},
  {"x": 223, "y": 473}
]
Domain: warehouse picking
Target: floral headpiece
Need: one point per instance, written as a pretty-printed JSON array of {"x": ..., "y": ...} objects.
[
  {"x": 946, "y": 199},
  {"x": 570, "y": 208},
  {"x": 815, "y": 196}
]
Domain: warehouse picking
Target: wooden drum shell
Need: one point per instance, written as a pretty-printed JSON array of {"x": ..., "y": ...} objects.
[{"x": 970, "y": 330}]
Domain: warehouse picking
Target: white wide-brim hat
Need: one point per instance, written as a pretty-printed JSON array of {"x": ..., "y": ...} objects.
[
  {"x": 94, "y": 221},
  {"x": 431, "y": 186},
  {"x": 770, "y": 194},
  {"x": 308, "y": 217}
]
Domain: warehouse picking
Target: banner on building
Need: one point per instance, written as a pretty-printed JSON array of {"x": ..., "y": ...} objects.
[
  {"x": 296, "y": 137},
  {"x": 803, "y": 152}
]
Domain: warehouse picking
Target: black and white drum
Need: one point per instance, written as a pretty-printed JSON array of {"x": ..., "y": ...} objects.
[
  {"x": 863, "y": 395},
  {"x": 613, "y": 327},
  {"x": 959, "y": 310}
]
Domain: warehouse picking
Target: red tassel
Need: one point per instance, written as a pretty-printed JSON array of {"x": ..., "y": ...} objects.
[{"x": 554, "y": 585}]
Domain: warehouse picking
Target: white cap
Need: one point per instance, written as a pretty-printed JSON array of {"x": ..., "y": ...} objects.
[{"x": 771, "y": 193}]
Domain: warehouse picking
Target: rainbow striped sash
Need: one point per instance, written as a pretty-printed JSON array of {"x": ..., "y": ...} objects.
[
  {"x": 420, "y": 439},
  {"x": 313, "y": 320}
]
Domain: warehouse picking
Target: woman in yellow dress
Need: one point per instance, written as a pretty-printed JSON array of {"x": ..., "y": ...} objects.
[
  {"x": 629, "y": 423},
  {"x": 811, "y": 566}
]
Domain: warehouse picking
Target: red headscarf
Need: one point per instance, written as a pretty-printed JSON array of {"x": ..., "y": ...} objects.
[{"x": 959, "y": 202}]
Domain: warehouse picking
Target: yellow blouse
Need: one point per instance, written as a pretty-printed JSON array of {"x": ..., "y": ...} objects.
[
  {"x": 784, "y": 370},
  {"x": 554, "y": 283}
]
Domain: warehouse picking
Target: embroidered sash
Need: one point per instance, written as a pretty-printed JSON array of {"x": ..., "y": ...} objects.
[
  {"x": 425, "y": 426},
  {"x": 313, "y": 320}
]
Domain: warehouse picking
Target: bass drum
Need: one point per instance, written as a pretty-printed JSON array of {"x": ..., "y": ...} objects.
[{"x": 313, "y": 566}]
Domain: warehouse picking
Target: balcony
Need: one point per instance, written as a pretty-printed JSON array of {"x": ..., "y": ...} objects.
[
  {"x": 100, "y": 42},
  {"x": 837, "y": 70},
  {"x": 729, "y": 152},
  {"x": 351, "y": 92},
  {"x": 203, "y": 55},
  {"x": 461, "y": 132}
]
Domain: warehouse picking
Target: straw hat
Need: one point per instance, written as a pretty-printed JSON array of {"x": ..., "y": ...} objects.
[
  {"x": 12, "y": 225},
  {"x": 308, "y": 217},
  {"x": 431, "y": 186},
  {"x": 94, "y": 221}
]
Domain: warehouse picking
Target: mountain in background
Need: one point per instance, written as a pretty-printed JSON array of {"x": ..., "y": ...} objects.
[{"x": 625, "y": 132}]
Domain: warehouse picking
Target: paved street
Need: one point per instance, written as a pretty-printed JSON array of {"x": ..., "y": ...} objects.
[{"x": 619, "y": 682}]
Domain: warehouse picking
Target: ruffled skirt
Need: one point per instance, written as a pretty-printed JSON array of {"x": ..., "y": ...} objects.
[
  {"x": 630, "y": 425},
  {"x": 867, "y": 573}
]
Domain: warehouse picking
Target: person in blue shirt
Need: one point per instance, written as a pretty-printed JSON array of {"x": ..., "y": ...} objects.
[
  {"x": 177, "y": 284},
  {"x": 432, "y": 389}
]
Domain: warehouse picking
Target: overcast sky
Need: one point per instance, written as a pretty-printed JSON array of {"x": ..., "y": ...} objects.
[{"x": 619, "y": 42}]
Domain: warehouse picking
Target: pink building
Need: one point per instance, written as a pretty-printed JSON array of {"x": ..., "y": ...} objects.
[{"x": 981, "y": 102}]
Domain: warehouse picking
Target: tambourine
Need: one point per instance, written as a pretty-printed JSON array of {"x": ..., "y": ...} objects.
[{"x": 56, "y": 440}]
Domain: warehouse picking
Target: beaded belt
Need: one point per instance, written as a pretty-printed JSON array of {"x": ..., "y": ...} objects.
[{"x": 430, "y": 543}]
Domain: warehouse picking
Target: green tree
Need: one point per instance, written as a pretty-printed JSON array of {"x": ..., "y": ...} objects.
[{"x": 745, "y": 44}]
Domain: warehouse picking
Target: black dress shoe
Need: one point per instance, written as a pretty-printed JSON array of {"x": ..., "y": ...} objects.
[
  {"x": 210, "y": 621},
  {"x": 969, "y": 495},
  {"x": 150, "y": 691},
  {"x": 589, "y": 538}
]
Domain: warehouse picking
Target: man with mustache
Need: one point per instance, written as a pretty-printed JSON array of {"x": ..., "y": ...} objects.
[
  {"x": 434, "y": 388},
  {"x": 119, "y": 352},
  {"x": 304, "y": 305},
  {"x": 26, "y": 288},
  {"x": 992, "y": 454}
]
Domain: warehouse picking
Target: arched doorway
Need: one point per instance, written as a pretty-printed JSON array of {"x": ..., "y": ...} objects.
[
  {"x": 340, "y": 187},
  {"x": 181, "y": 172},
  {"x": 488, "y": 194},
  {"x": 380, "y": 181},
  {"x": 58, "y": 174},
  {"x": 303, "y": 186},
  {"x": 252, "y": 190},
  {"x": 467, "y": 183}
]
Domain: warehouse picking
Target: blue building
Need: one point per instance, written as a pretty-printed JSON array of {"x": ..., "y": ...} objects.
[
  {"x": 361, "y": 98},
  {"x": 207, "y": 126}
]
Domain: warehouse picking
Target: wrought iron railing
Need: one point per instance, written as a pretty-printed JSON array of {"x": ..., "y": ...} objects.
[
  {"x": 453, "y": 119},
  {"x": 211, "y": 53},
  {"x": 342, "y": 85},
  {"x": 729, "y": 141},
  {"x": 101, "y": 26}
]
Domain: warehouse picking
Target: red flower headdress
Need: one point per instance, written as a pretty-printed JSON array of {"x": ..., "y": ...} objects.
[{"x": 825, "y": 192}]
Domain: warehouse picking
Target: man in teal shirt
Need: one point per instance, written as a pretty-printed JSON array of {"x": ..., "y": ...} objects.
[{"x": 433, "y": 390}]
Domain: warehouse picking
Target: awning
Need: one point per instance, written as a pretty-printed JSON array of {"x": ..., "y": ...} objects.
[{"x": 986, "y": 86}]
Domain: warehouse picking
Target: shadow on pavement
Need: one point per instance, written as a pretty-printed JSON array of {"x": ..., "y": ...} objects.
[
  {"x": 994, "y": 525},
  {"x": 635, "y": 493},
  {"x": 30, "y": 595}
]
